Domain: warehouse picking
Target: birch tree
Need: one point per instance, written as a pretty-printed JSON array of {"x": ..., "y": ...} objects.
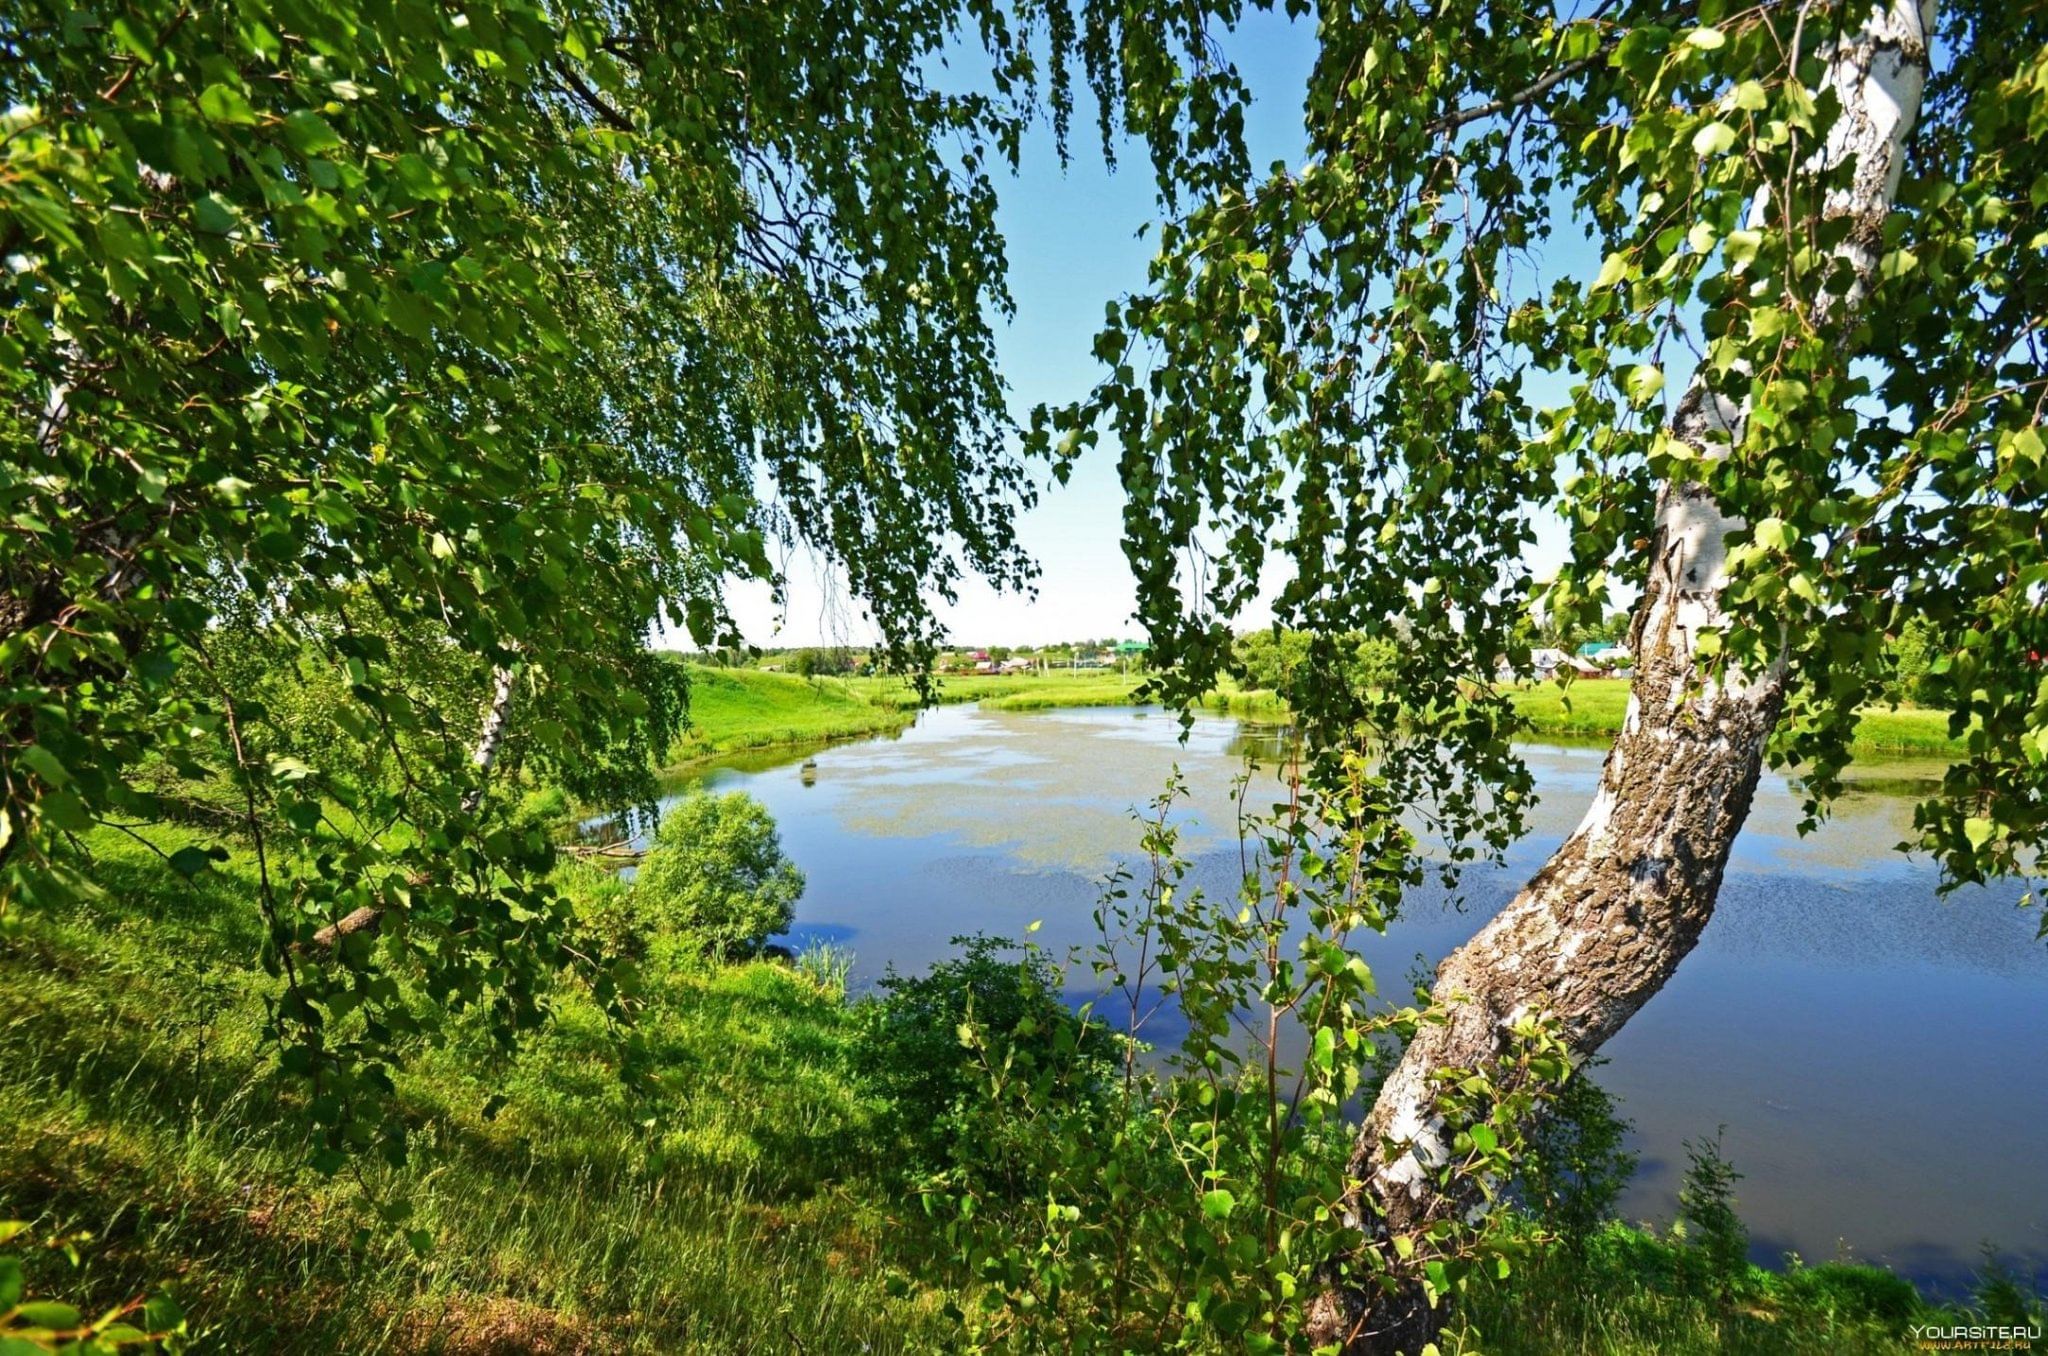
[
  {"x": 1793, "y": 400},
  {"x": 402, "y": 331}
]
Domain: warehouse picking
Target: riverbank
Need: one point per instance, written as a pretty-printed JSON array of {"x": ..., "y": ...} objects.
[
  {"x": 737, "y": 709},
  {"x": 1014, "y": 692},
  {"x": 732, "y": 710},
  {"x": 1594, "y": 708},
  {"x": 744, "y": 1208},
  {"x": 1057, "y": 688}
]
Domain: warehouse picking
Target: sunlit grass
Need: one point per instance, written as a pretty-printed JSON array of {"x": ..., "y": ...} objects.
[
  {"x": 733, "y": 709},
  {"x": 1593, "y": 709},
  {"x": 1009, "y": 692},
  {"x": 734, "y": 1212}
]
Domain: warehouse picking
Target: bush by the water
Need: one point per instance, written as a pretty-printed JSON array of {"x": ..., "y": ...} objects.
[
  {"x": 1706, "y": 1206},
  {"x": 1578, "y": 1162},
  {"x": 933, "y": 1045},
  {"x": 715, "y": 879}
]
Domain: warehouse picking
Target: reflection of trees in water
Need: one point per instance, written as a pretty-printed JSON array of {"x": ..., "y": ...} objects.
[
  {"x": 1261, "y": 742},
  {"x": 1041, "y": 802},
  {"x": 624, "y": 826},
  {"x": 1865, "y": 823},
  {"x": 1909, "y": 787}
]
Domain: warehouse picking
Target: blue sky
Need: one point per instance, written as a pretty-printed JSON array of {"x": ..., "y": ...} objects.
[{"x": 1072, "y": 237}]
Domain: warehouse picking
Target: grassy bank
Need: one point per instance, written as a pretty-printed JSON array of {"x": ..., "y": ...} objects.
[
  {"x": 137, "y": 1107},
  {"x": 1633, "y": 1292},
  {"x": 1013, "y": 692},
  {"x": 1593, "y": 709},
  {"x": 744, "y": 1209},
  {"x": 736, "y": 709}
]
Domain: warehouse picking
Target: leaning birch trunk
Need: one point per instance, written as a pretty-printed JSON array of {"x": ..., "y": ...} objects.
[
  {"x": 497, "y": 716},
  {"x": 1606, "y": 921}
]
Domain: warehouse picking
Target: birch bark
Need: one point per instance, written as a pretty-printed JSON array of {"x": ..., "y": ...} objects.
[{"x": 1606, "y": 921}]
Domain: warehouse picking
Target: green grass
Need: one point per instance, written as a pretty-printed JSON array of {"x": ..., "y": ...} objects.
[
  {"x": 734, "y": 709},
  {"x": 1593, "y": 709},
  {"x": 137, "y": 1106},
  {"x": 1907, "y": 729},
  {"x": 745, "y": 1209},
  {"x": 1014, "y": 692},
  {"x": 1637, "y": 1295}
]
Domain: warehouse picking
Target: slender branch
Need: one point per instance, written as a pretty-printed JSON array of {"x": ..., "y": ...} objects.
[
  {"x": 1547, "y": 82},
  {"x": 1452, "y": 122},
  {"x": 592, "y": 100}
]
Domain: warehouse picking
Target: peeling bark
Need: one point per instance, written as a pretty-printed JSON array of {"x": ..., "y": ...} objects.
[{"x": 1606, "y": 921}]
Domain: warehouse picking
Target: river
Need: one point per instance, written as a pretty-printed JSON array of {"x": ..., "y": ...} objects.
[{"x": 1874, "y": 1050}]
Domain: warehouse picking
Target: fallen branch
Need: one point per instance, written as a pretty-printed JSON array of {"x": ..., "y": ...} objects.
[{"x": 622, "y": 853}]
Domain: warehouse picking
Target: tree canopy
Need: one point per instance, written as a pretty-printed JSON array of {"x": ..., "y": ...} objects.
[
  {"x": 440, "y": 355},
  {"x": 1375, "y": 370}
]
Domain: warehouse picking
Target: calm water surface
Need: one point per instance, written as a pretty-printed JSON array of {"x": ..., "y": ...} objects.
[{"x": 1875, "y": 1051}]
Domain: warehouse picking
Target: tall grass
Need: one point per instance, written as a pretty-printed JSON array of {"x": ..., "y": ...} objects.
[
  {"x": 734, "y": 1212},
  {"x": 1632, "y": 1294}
]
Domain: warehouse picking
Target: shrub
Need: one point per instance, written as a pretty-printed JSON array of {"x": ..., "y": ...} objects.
[
  {"x": 933, "y": 1043},
  {"x": 1911, "y": 654},
  {"x": 716, "y": 880},
  {"x": 603, "y": 906},
  {"x": 1192, "y": 1200},
  {"x": 1706, "y": 1202},
  {"x": 543, "y": 807},
  {"x": 825, "y": 964},
  {"x": 818, "y": 663},
  {"x": 1844, "y": 1290},
  {"x": 1577, "y": 1166}
]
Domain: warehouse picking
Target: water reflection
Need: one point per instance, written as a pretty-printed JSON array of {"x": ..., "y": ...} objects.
[{"x": 1874, "y": 1049}]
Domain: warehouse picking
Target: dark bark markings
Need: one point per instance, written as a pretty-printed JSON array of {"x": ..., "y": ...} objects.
[{"x": 1605, "y": 922}]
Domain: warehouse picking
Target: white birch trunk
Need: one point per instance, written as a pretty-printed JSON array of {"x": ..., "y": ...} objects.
[
  {"x": 1604, "y": 924},
  {"x": 497, "y": 716}
]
